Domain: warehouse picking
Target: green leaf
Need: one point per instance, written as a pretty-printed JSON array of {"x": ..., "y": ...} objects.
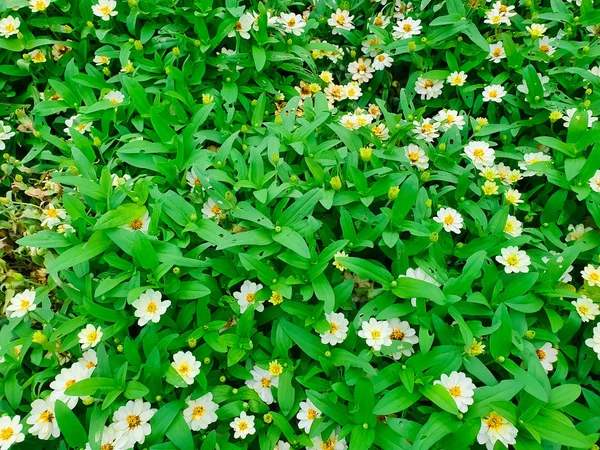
[
  {"x": 441, "y": 397},
  {"x": 308, "y": 343},
  {"x": 78, "y": 254},
  {"x": 123, "y": 215},
  {"x": 395, "y": 401},
  {"x": 292, "y": 240},
  {"x": 70, "y": 427}
]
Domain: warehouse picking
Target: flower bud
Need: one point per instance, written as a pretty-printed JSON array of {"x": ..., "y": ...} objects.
[
  {"x": 336, "y": 183},
  {"x": 428, "y": 203},
  {"x": 176, "y": 51},
  {"x": 39, "y": 337},
  {"x": 176, "y": 270},
  {"x": 119, "y": 348},
  {"x": 412, "y": 46},
  {"x": 222, "y": 379},
  {"x": 193, "y": 217},
  {"x": 393, "y": 192},
  {"x": 425, "y": 176},
  {"x": 268, "y": 418},
  {"x": 434, "y": 237},
  {"x": 87, "y": 401},
  {"x": 365, "y": 153},
  {"x": 138, "y": 46},
  {"x": 529, "y": 334},
  {"x": 207, "y": 360}
]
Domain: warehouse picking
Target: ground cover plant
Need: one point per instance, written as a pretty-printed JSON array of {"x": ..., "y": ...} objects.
[{"x": 287, "y": 225}]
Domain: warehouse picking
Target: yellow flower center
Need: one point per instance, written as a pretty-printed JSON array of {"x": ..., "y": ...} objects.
[
  {"x": 407, "y": 27},
  {"x": 133, "y": 421},
  {"x": 340, "y": 20},
  {"x": 311, "y": 414},
  {"x": 457, "y": 79},
  {"x": 25, "y": 304},
  {"x": 455, "y": 391},
  {"x": 334, "y": 327},
  {"x": 291, "y": 22},
  {"x": 413, "y": 156},
  {"x": 46, "y": 416},
  {"x": 509, "y": 227},
  {"x": 242, "y": 426},
  {"x": 583, "y": 309},
  {"x": 265, "y": 382},
  {"x": 397, "y": 334},
  {"x": 136, "y": 224},
  {"x": 544, "y": 48},
  {"x": 494, "y": 421},
  {"x": 198, "y": 412},
  {"x": 449, "y": 219},
  {"x": 493, "y": 94},
  {"x": 69, "y": 383},
  {"x": 6, "y": 433},
  {"x": 478, "y": 152},
  {"x": 541, "y": 354},
  {"x": 105, "y": 10},
  {"x": 497, "y": 52},
  {"x": 184, "y": 369},
  {"x": 427, "y": 128},
  {"x": 10, "y": 27},
  {"x": 250, "y": 297},
  {"x": 594, "y": 276},
  {"x": 329, "y": 444},
  {"x": 215, "y": 210},
  {"x": 107, "y": 446},
  {"x": 52, "y": 213},
  {"x": 512, "y": 260},
  {"x": 152, "y": 307},
  {"x": 428, "y": 84},
  {"x": 91, "y": 337},
  {"x": 275, "y": 368},
  {"x": 375, "y": 334}
]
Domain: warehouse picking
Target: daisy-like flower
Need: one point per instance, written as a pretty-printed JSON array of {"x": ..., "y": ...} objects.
[
  {"x": 108, "y": 441},
  {"x": 480, "y": 153},
  {"x": 292, "y": 23},
  {"x": 100, "y": 60},
  {"x": 513, "y": 226},
  {"x": 37, "y": 56},
  {"x": 138, "y": 224},
  {"x": 337, "y": 264},
  {"x": 38, "y": 5},
  {"x": 428, "y": 88},
  {"x": 261, "y": 384},
  {"x": 514, "y": 260},
  {"x": 333, "y": 442},
  {"x": 513, "y": 197},
  {"x": 309, "y": 413},
  {"x": 418, "y": 274},
  {"x": 5, "y": 134},
  {"x": 450, "y": 219},
  {"x": 246, "y": 296},
  {"x": 361, "y": 70},
  {"x": 547, "y": 355},
  {"x": 504, "y": 10},
  {"x": 73, "y": 122},
  {"x": 192, "y": 180},
  {"x": 10, "y": 431},
  {"x": 21, "y": 303},
  {"x": 117, "y": 180},
  {"x": 340, "y": 20},
  {"x": 545, "y": 46},
  {"x": 186, "y": 365},
  {"x": 426, "y": 130},
  {"x": 150, "y": 307},
  {"x": 593, "y": 342},
  {"x": 90, "y": 336},
  {"x": 200, "y": 413},
  {"x": 497, "y": 52},
  {"x": 353, "y": 90},
  {"x": 243, "y": 26},
  {"x": 402, "y": 331},
  {"x": 65, "y": 379},
  {"x": 448, "y": 118},
  {"x": 489, "y": 188},
  {"x": 43, "y": 420},
  {"x": 406, "y": 28},
  {"x": 281, "y": 445},
  {"x": 591, "y": 274},
  {"x": 105, "y": 9},
  {"x": 243, "y": 426},
  {"x": 460, "y": 387},
  {"x": 131, "y": 423},
  {"x": 377, "y": 333},
  {"x": 381, "y": 131},
  {"x": 536, "y": 30},
  {"x": 569, "y": 115},
  {"x": 495, "y": 18},
  {"x": 52, "y": 216},
  {"x": 496, "y": 428},
  {"x": 381, "y": 61},
  {"x": 381, "y": 21},
  {"x": 493, "y": 93},
  {"x": 576, "y": 232},
  {"x": 416, "y": 156},
  {"x": 532, "y": 158},
  {"x": 586, "y": 308},
  {"x": 115, "y": 97},
  {"x": 210, "y": 210},
  {"x": 9, "y": 26},
  {"x": 339, "y": 329},
  {"x": 595, "y": 182},
  {"x": 88, "y": 362},
  {"x": 457, "y": 78}
]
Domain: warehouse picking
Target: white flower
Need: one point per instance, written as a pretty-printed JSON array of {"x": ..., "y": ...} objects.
[
  {"x": 211, "y": 210},
  {"x": 353, "y": 92},
  {"x": 246, "y": 296},
  {"x": 426, "y": 130},
  {"x": 186, "y": 365},
  {"x": 532, "y": 158},
  {"x": 480, "y": 153},
  {"x": 131, "y": 423},
  {"x": 418, "y": 274},
  {"x": 281, "y": 445},
  {"x": 402, "y": 331},
  {"x": 591, "y": 274},
  {"x": 406, "y": 28},
  {"x": 243, "y": 426},
  {"x": 361, "y": 70},
  {"x": 506, "y": 11},
  {"x": 595, "y": 181},
  {"x": 115, "y": 97},
  {"x": 65, "y": 379},
  {"x": 100, "y": 60},
  {"x": 493, "y": 93},
  {"x": 63, "y": 228},
  {"x": 73, "y": 122},
  {"x": 576, "y": 232},
  {"x": 547, "y": 355},
  {"x": 536, "y": 30},
  {"x": 242, "y": 26},
  {"x": 381, "y": 61},
  {"x": 192, "y": 180},
  {"x": 449, "y": 117},
  {"x": 292, "y": 23},
  {"x": 513, "y": 197},
  {"x": 10, "y": 431},
  {"x": 5, "y": 134},
  {"x": 340, "y": 20},
  {"x": 90, "y": 336},
  {"x": 416, "y": 156},
  {"x": 21, "y": 303},
  {"x": 105, "y": 9},
  {"x": 569, "y": 115},
  {"x": 43, "y": 420},
  {"x": 450, "y": 219},
  {"x": 138, "y": 224},
  {"x": 149, "y": 307},
  {"x": 494, "y": 18},
  {"x": 513, "y": 226},
  {"x": 496, "y": 428},
  {"x": 377, "y": 333},
  {"x": 586, "y": 308},
  {"x": 514, "y": 260},
  {"x": 544, "y": 46},
  {"x": 52, "y": 216},
  {"x": 307, "y": 415},
  {"x": 200, "y": 413},
  {"x": 382, "y": 132},
  {"x": 496, "y": 52},
  {"x": 117, "y": 180},
  {"x": 338, "y": 331},
  {"x": 457, "y": 78},
  {"x": 88, "y": 362},
  {"x": 108, "y": 441},
  {"x": 428, "y": 88},
  {"x": 594, "y": 341},
  {"x": 333, "y": 442},
  {"x": 261, "y": 384},
  {"x": 460, "y": 387},
  {"x": 9, "y": 26}
]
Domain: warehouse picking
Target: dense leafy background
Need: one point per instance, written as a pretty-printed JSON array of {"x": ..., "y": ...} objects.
[{"x": 296, "y": 186}]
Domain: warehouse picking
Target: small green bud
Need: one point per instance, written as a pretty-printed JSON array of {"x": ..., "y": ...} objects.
[
  {"x": 336, "y": 183},
  {"x": 176, "y": 270},
  {"x": 434, "y": 237},
  {"x": 207, "y": 360},
  {"x": 222, "y": 379},
  {"x": 327, "y": 354},
  {"x": 193, "y": 217},
  {"x": 192, "y": 342},
  {"x": 529, "y": 334},
  {"x": 393, "y": 192},
  {"x": 268, "y": 418},
  {"x": 119, "y": 348}
]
